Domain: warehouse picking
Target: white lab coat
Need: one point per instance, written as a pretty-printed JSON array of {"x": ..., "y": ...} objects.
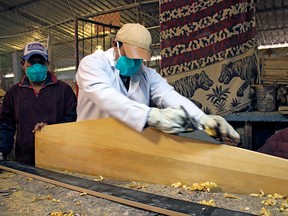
[{"x": 102, "y": 93}]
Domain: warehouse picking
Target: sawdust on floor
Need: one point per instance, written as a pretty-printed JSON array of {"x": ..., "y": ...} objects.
[{"x": 21, "y": 195}]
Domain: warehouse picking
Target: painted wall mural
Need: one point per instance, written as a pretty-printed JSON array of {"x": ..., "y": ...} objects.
[{"x": 208, "y": 51}]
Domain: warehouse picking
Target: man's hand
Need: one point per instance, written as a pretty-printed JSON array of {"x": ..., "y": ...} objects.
[
  {"x": 168, "y": 120},
  {"x": 219, "y": 123},
  {"x": 1, "y": 156},
  {"x": 39, "y": 126}
]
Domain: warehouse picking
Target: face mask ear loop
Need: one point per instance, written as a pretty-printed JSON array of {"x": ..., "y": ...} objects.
[{"x": 118, "y": 48}]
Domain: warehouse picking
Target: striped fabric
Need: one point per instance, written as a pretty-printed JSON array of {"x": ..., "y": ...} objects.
[{"x": 209, "y": 45}]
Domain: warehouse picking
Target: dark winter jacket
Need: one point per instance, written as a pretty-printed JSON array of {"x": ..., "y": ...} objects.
[
  {"x": 23, "y": 108},
  {"x": 277, "y": 145}
]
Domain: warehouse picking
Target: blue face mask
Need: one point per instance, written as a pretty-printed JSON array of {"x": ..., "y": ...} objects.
[
  {"x": 127, "y": 66},
  {"x": 37, "y": 72}
]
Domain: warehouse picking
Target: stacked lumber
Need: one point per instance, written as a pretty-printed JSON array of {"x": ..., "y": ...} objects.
[
  {"x": 283, "y": 110},
  {"x": 275, "y": 70}
]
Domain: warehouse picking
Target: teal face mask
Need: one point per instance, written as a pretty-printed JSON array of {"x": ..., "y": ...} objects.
[
  {"x": 127, "y": 66},
  {"x": 37, "y": 72}
]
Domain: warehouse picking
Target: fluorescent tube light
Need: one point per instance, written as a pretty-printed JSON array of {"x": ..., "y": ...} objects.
[{"x": 9, "y": 75}]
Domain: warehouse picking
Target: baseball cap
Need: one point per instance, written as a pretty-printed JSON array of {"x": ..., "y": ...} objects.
[
  {"x": 35, "y": 48},
  {"x": 136, "y": 41}
]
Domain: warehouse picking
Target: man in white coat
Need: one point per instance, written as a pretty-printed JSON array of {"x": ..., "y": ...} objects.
[{"x": 116, "y": 84}]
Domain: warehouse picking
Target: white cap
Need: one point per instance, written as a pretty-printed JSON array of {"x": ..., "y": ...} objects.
[
  {"x": 35, "y": 48},
  {"x": 136, "y": 41}
]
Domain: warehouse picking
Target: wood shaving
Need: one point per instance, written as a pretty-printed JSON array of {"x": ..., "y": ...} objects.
[
  {"x": 210, "y": 202},
  {"x": 269, "y": 202},
  {"x": 99, "y": 179},
  {"x": 48, "y": 197},
  {"x": 205, "y": 186},
  {"x": 137, "y": 186},
  {"x": 62, "y": 213},
  {"x": 7, "y": 175},
  {"x": 230, "y": 196},
  {"x": 265, "y": 212},
  {"x": 50, "y": 187},
  {"x": 277, "y": 196},
  {"x": 284, "y": 206},
  {"x": 177, "y": 185},
  {"x": 261, "y": 194}
]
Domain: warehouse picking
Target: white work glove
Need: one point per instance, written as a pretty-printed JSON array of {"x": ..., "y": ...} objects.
[
  {"x": 219, "y": 123},
  {"x": 168, "y": 120},
  {"x": 1, "y": 156}
]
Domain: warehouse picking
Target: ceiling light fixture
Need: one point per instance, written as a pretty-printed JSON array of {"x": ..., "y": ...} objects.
[
  {"x": 65, "y": 69},
  {"x": 273, "y": 46},
  {"x": 9, "y": 75}
]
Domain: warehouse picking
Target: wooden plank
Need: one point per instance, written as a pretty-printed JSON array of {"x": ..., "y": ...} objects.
[
  {"x": 142, "y": 200},
  {"x": 107, "y": 147},
  {"x": 273, "y": 72},
  {"x": 283, "y": 110},
  {"x": 248, "y": 135},
  {"x": 274, "y": 81},
  {"x": 275, "y": 62}
]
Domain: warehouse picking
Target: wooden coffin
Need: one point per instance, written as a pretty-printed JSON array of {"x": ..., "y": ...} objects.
[{"x": 109, "y": 148}]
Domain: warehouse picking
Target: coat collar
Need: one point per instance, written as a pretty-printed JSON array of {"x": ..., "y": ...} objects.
[{"x": 50, "y": 79}]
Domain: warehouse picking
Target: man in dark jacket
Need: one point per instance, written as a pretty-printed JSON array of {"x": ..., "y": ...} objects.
[
  {"x": 277, "y": 144},
  {"x": 39, "y": 99}
]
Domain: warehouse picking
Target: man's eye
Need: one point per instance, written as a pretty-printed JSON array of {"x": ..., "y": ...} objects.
[{"x": 37, "y": 62}]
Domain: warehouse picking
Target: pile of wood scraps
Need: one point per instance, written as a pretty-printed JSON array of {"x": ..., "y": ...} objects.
[
  {"x": 282, "y": 99},
  {"x": 275, "y": 72},
  {"x": 282, "y": 95}
]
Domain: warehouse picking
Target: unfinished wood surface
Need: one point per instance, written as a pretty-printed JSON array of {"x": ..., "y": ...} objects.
[
  {"x": 281, "y": 73},
  {"x": 272, "y": 62},
  {"x": 275, "y": 70},
  {"x": 283, "y": 110},
  {"x": 107, "y": 147}
]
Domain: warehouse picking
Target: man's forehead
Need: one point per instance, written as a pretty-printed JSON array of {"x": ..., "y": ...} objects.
[{"x": 36, "y": 57}]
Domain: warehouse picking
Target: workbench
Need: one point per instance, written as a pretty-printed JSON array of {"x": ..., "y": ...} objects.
[{"x": 258, "y": 126}]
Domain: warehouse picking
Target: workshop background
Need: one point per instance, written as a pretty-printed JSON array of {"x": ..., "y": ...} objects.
[
  {"x": 226, "y": 56},
  {"x": 231, "y": 31},
  {"x": 229, "y": 57}
]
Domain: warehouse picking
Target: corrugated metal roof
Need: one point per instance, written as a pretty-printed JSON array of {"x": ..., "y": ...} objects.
[
  {"x": 19, "y": 18},
  {"x": 22, "y": 19}
]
